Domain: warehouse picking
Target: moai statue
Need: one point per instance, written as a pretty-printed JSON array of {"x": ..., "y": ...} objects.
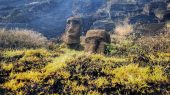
[
  {"x": 96, "y": 41},
  {"x": 73, "y": 32}
]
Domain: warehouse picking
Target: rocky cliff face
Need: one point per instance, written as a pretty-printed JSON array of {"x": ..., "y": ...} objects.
[
  {"x": 46, "y": 16},
  {"x": 49, "y": 16}
]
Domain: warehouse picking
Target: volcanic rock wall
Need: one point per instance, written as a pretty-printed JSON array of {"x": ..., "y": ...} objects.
[{"x": 49, "y": 16}]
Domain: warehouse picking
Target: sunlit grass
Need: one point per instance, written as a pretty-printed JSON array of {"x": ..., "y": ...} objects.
[
  {"x": 12, "y": 53},
  {"x": 13, "y": 85},
  {"x": 134, "y": 76},
  {"x": 60, "y": 62},
  {"x": 159, "y": 57},
  {"x": 78, "y": 72},
  {"x": 7, "y": 67},
  {"x": 105, "y": 59}
]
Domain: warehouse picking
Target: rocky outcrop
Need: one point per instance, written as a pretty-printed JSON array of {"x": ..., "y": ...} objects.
[
  {"x": 49, "y": 16},
  {"x": 46, "y": 16},
  {"x": 147, "y": 29},
  {"x": 139, "y": 12}
]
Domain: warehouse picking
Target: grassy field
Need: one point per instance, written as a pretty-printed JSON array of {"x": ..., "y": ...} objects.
[{"x": 130, "y": 67}]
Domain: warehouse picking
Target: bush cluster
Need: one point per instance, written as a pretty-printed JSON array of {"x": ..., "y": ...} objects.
[
  {"x": 64, "y": 71},
  {"x": 21, "y": 38},
  {"x": 133, "y": 66}
]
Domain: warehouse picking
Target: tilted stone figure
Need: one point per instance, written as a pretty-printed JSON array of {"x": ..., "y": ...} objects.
[
  {"x": 73, "y": 32},
  {"x": 96, "y": 41}
]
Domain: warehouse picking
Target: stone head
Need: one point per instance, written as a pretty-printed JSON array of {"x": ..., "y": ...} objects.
[{"x": 96, "y": 41}]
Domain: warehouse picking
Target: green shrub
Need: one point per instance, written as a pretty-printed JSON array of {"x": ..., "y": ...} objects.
[
  {"x": 111, "y": 49},
  {"x": 77, "y": 73}
]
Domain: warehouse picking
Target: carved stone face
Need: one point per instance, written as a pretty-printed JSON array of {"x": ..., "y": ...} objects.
[
  {"x": 73, "y": 30},
  {"x": 96, "y": 41}
]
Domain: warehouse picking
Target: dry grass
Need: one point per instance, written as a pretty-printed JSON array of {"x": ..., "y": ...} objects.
[
  {"x": 168, "y": 6},
  {"x": 159, "y": 42},
  {"x": 136, "y": 67},
  {"x": 168, "y": 24},
  {"x": 20, "y": 38},
  {"x": 123, "y": 29},
  {"x": 121, "y": 32}
]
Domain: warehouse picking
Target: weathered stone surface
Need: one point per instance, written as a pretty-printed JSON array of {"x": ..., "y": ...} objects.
[
  {"x": 96, "y": 41},
  {"x": 126, "y": 7},
  {"x": 103, "y": 24},
  {"x": 143, "y": 19},
  {"x": 87, "y": 7},
  {"x": 73, "y": 32},
  {"x": 157, "y": 5},
  {"x": 166, "y": 16},
  {"x": 121, "y": 11},
  {"x": 49, "y": 16},
  {"x": 147, "y": 29},
  {"x": 45, "y": 16}
]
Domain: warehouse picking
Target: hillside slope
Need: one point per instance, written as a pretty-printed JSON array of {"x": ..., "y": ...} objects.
[
  {"x": 49, "y": 16},
  {"x": 132, "y": 66}
]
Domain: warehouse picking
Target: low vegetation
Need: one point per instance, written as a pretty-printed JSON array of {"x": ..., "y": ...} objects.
[
  {"x": 131, "y": 67},
  {"x": 19, "y": 38}
]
